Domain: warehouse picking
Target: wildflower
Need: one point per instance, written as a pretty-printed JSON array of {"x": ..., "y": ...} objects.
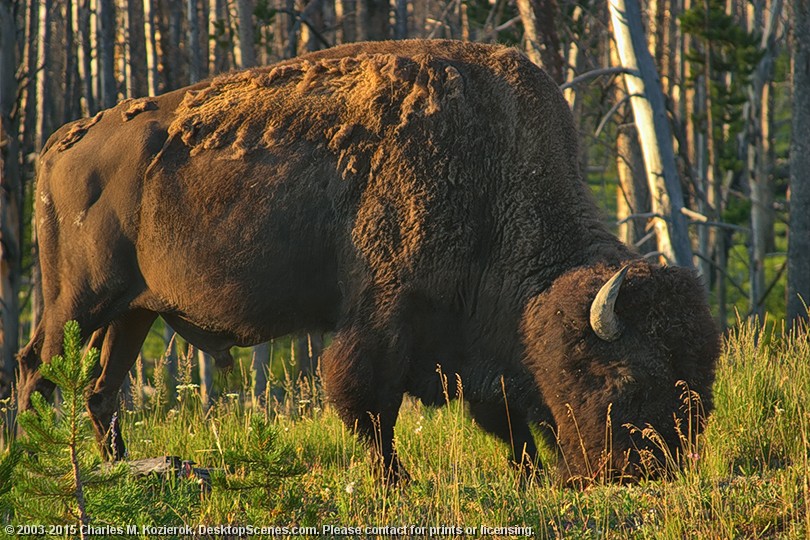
[{"x": 350, "y": 488}]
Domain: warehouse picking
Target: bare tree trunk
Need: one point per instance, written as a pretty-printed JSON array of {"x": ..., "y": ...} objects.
[
  {"x": 177, "y": 52},
  {"x": 10, "y": 197},
  {"x": 154, "y": 57},
  {"x": 347, "y": 19},
  {"x": 246, "y": 48},
  {"x": 329, "y": 22},
  {"x": 531, "y": 42},
  {"x": 374, "y": 20},
  {"x": 290, "y": 31},
  {"x": 86, "y": 65},
  {"x": 574, "y": 63},
  {"x": 540, "y": 36},
  {"x": 29, "y": 146},
  {"x": 45, "y": 104},
  {"x": 30, "y": 110},
  {"x": 223, "y": 51},
  {"x": 139, "y": 81},
  {"x": 260, "y": 362},
  {"x": 313, "y": 14},
  {"x": 633, "y": 195},
  {"x": 696, "y": 152},
  {"x": 401, "y": 20},
  {"x": 757, "y": 163},
  {"x": 72, "y": 93},
  {"x": 193, "y": 27},
  {"x": 799, "y": 240},
  {"x": 203, "y": 23},
  {"x": 649, "y": 110},
  {"x": 106, "y": 53}
]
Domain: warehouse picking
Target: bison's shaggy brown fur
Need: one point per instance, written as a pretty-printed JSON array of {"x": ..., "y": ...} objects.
[{"x": 421, "y": 198}]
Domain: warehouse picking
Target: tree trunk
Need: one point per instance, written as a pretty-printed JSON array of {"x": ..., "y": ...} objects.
[
  {"x": 714, "y": 186},
  {"x": 193, "y": 27},
  {"x": 313, "y": 14},
  {"x": 72, "y": 93},
  {"x": 30, "y": 110},
  {"x": 531, "y": 42},
  {"x": 540, "y": 36},
  {"x": 203, "y": 23},
  {"x": 401, "y": 20},
  {"x": 374, "y": 19},
  {"x": 29, "y": 146},
  {"x": 223, "y": 50},
  {"x": 139, "y": 81},
  {"x": 757, "y": 163},
  {"x": 649, "y": 109},
  {"x": 10, "y": 197},
  {"x": 106, "y": 53},
  {"x": 347, "y": 20},
  {"x": 45, "y": 104},
  {"x": 328, "y": 22},
  {"x": 154, "y": 57},
  {"x": 260, "y": 362},
  {"x": 86, "y": 58},
  {"x": 178, "y": 51},
  {"x": 246, "y": 48},
  {"x": 290, "y": 31},
  {"x": 799, "y": 239},
  {"x": 633, "y": 195}
]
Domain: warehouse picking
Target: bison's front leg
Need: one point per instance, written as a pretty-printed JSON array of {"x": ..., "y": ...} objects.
[
  {"x": 365, "y": 386},
  {"x": 512, "y": 427},
  {"x": 121, "y": 342}
]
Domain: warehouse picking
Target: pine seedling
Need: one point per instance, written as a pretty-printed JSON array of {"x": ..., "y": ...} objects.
[
  {"x": 263, "y": 464},
  {"x": 57, "y": 464},
  {"x": 7, "y": 464}
]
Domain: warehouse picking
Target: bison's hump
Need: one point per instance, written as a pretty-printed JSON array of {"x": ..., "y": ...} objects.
[
  {"x": 321, "y": 100},
  {"x": 315, "y": 96}
]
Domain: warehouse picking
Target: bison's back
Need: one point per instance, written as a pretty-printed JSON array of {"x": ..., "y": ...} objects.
[{"x": 419, "y": 167}]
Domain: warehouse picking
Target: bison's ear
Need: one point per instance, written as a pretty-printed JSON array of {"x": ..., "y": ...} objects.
[{"x": 604, "y": 322}]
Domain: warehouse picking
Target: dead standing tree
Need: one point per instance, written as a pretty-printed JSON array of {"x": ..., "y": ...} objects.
[
  {"x": 649, "y": 110},
  {"x": 10, "y": 196},
  {"x": 799, "y": 240}
]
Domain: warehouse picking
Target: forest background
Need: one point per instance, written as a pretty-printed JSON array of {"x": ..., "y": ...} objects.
[
  {"x": 734, "y": 76},
  {"x": 685, "y": 110}
]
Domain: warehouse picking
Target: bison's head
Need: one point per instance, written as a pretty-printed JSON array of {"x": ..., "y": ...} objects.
[{"x": 613, "y": 352}]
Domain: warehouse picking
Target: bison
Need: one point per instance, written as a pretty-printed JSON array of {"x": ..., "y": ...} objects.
[{"x": 421, "y": 199}]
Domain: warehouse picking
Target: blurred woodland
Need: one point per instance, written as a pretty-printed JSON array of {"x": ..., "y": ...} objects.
[{"x": 730, "y": 194}]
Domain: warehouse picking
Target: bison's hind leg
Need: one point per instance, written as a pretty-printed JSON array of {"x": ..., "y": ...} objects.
[
  {"x": 365, "y": 385},
  {"x": 120, "y": 345},
  {"x": 29, "y": 379}
]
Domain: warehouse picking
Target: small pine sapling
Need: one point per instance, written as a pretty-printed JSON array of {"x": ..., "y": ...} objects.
[
  {"x": 263, "y": 463},
  {"x": 58, "y": 462}
]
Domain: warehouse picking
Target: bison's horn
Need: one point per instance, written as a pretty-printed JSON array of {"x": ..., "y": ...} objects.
[{"x": 604, "y": 321}]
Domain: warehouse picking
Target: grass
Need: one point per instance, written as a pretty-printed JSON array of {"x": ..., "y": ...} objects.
[{"x": 751, "y": 478}]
